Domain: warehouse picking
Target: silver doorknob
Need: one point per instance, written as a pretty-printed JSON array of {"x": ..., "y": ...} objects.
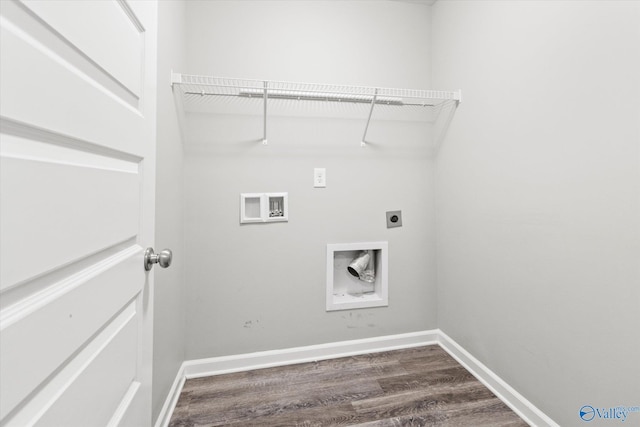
[{"x": 163, "y": 258}]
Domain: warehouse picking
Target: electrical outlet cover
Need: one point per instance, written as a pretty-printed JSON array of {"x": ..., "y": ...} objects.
[{"x": 394, "y": 219}]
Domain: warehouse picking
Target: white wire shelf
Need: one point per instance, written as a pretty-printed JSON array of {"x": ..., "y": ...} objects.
[{"x": 194, "y": 86}]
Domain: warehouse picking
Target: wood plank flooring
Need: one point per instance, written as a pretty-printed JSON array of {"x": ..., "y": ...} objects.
[{"x": 421, "y": 386}]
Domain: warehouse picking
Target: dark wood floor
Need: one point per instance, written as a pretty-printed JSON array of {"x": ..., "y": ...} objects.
[{"x": 422, "y": 386}]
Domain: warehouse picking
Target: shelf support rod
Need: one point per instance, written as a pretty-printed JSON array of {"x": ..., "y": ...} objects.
[
  {"x": 373, "y": 103},
  {"x": 264, "y": 138}
]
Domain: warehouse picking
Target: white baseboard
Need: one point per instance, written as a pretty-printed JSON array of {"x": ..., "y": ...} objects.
[
  {"x": 172, "y": 399},
  {"x": 267, "y": 359},
  {"x": 514, "y": 400},
  {"x": 311, "y": 353}
]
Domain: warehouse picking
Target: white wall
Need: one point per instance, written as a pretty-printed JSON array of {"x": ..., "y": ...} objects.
[
  {"x": 169, "y": 319},
  {"x": 258, "y": 287},
  {"x": 364, "y": 43},
  {"x": 538, "y": 196}
]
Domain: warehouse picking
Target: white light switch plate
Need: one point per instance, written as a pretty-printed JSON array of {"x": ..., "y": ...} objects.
[{"x": 319, "y": 177}]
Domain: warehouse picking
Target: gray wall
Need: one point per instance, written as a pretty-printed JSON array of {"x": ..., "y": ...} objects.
[
  {"x": 169, "y": 315},
  {"x": 538, "y": 196},
  {"x": 260, "y": 287},
  {"x": 363, "y": 43}
]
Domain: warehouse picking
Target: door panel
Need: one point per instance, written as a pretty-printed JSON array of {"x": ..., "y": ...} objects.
[
  {"x": 77, "y": 163},
  {"x": 106, "y": 360},
  {"x": 41, "y": 216},
  {"x": 113, "y": 367},
  {"x": 68, "y": 319},
  {"x": 60, "y": 83},
  {"x": 118, "y": 49}
]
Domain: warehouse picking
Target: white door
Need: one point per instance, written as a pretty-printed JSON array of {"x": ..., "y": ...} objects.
[{"x": 77, "y": 107}]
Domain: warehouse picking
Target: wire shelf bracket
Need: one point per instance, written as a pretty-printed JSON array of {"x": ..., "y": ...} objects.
[
  {"x": 366, "y": 128},
  {"x": 273, "y": 90}
]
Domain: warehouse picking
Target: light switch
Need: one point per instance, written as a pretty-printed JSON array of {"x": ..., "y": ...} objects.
[{"x": 319, "y": 177}]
